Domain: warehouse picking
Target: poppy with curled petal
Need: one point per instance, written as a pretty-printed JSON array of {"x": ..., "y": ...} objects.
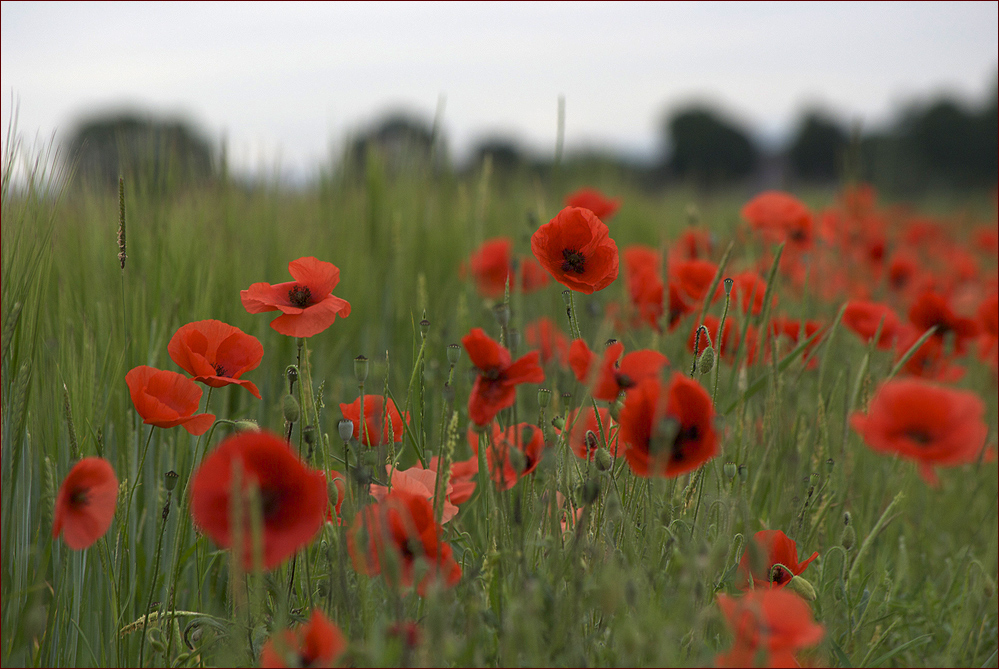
[
  {"x": 776, "y": 561},
  {"x": 318, "y": 643},
  {"x": 167, "y": 399},
  {"x": 595, "y": 201},
  {"x": 512, "y": 453},
  {"x": 668, "y": 430},
  {"x": 293, "y": 497},
  {"x": 216, "y": 354},
  {"x": 576, "y": 249},
  {"x": 307, "y": 304},
  {"x": 376, "y": 418},
  {"x": 934, "y": 425},
  {"x": 768, "y": 625},
  {"x": 495, "y": 387},
  {"x": 85, "y": 503},
  {"x": 390, "y": 536}
]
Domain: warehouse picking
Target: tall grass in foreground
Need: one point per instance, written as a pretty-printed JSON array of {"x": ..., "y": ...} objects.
[{"x": 635, "y": 586}]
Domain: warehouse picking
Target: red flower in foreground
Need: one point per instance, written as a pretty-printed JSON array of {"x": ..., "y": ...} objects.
[
  {"x": 584, "y": 437},
  {"x": 216, "y": 353},
  {"x": 864, "y": 317},
  {"x": 375, "y": 416},
  {"x": 594, "y": 200},
  {"x": 492, "y": 264},
  {"x": 933, "y": 425},
  {"x": 318, "y": 643},
  {"x": 668, "y": 430},
  {"x": 292, "y": 496},
  {"x": 495, "y": 387},
  {"x": 773, "y": 622},
  {"x": 167, "y": 399},
  {"x": 85, "y": 503},
  {"x": 773, "y": 548},
  {"x": 511, "y": 453},
  {"x": 399, "y": 530},
  {"x": 576, "y": 249},
  {"x": 307, "y": 304}
]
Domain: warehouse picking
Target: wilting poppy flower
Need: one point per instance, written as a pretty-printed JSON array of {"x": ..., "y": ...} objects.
[
  {"x": 167, "y": 399},
  {"x": 318, "y": 643},
  {"x": 416, "y": 481},
  {"x": 778, "y": 561},
  {"x": 932, "y": 309},
  {"x": 576, "y": 249},
  {"x": 512, "y": 453},
  {"x": 668, "y": 430},
  {"x": 216, "y": 353},
  {"x": 495, "y": 387},
  {"x": 779, "y": 217},
  {"x": 776, "y": 623},
  {"x": 398, "y": 530},
  {"x": 374, "y": 420},
  {"x": 615, "y": 377},
  {"x": 307, "y": 304},
  {"x": 864, "y": 318},
  {"x": 492, "y": 263},
  {"x": 594, "y": 200},
  {"x": 933, "y": 425},
  {"x": 293, "y": 497},
  {"x": 584, "y": 437},
  {"x": 544, "y": 335},
  {"x": 85, "y": 503}
]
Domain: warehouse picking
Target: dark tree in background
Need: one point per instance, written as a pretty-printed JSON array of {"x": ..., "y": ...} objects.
[
  {"x": 816, "y": 150},
  {"x": 707, "y": 149},
  {"x": 401, "y": 141},
  {"x": 505, "y": 154},
  {"x": 158, "y": 154}
]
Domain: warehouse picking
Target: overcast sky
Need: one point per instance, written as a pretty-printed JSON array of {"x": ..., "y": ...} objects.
[{"x": 285, "y": 81}]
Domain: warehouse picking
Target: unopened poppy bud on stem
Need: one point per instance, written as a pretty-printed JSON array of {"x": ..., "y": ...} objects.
[
  {"x": 292, "y": 410},
  {"x": 706, "y": 361},
  {"x": 849, "y": 537},
  {"x": 743, "y": 473},
  {"x": 803, "y": 587},
  {"x": 246, "y": 425},
  {"x": 603, "y": 460}
]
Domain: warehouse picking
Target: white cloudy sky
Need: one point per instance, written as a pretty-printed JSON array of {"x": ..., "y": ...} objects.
[{"x": 283, "y": 81}]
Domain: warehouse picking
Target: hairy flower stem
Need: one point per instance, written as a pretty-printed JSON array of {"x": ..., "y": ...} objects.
[{"x": 156, "y": 575}]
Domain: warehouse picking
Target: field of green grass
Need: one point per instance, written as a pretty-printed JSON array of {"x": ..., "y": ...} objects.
[{"x": 911, "y": 581}]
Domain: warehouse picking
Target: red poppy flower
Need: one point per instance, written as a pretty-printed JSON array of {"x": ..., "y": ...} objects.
[
  {"x": 318, "y": 643},
  {"x": 929, "y": 361},
  {"x": 495, "y": 387},
  {"x": 796, "y": 330},
  {"x": 374, "y": 420},
  {"x": 584, "y": 437},
  {"x": 613, "y": 377},
  {"x": 594, "y": 200},
  {"x": 643, "y": 271},
  {"x": 576, "y": 249},
  {"x": 85, "y": 503},
  {"x": 463, "y": 475},
  {"x": 581, "y": 360},
  {"x": 903, "y": 269},
  {"x": 988, "y": 318},
  {"x": 544, "y": 335},
  {"x": 492, "y": 263},
  {"x": 748, "y": 291},
  {"x": 932, "y": 309},
  {"x": 505, "y": 466},
  {"x": 293, "y": 497},
  {"x": 774, "y": 548},
  {"x": 216, "y": 354},
  {"x": 933, "y": 425},
  {"x": 779, "y": 217},
  {"x": 774, "y": 622},
  {"x": 693, "y": 244},
  {"x": 167, "y": 399},
  {"x": 694, "y": 277},
  {"x": 307, "y": 304},
  {"x": 668, "y": 430},
  {"x": 416, "y": 481},
  {"x": 399, "y": 530},
  {"x": 864, "y": 318}
]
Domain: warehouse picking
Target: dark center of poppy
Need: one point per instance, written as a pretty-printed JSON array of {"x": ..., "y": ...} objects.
[
  {"x": 411, "y": 549},
  {"x": 623, "y": 381},
  {"x": 779, "y": 574},
  {"x": 573, "y": 261},
  {"x": 491, "y": 374},
  {"x": 300, "y": 296},
  {"x": 79, "y": 497},
  {"x": 270, "y": 502},
  {"x": 220, "y": 370},
  {"x": 918, "y": 436},
  {"x": 683, "y": 437},
  {"x": 798, "y": 235}
]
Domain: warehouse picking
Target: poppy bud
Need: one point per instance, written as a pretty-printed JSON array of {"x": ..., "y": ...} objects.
[
  {"x": 346, "y": 429},
  {"x": 453, "y": 354},
  {"x": 333, "y": 492},
  {"x": 544, "y": 397},
  {"x": 802, "y": 587},
  {"x": 247, "y": 425},
  {"x": 847, "y": 518},
  {"x": 170, "y": 480},
  {"x": 849, "y": 537},
  {"x": 513, "y": 339},
  {"x": 706, "y": 361},
  {"x": 502, "y": 313},
  {"x": 616, "y": 406},
  {"x": 292, "y": 411},
  {"x": 558, "y": 423},
  {"x": 590, "y": 491},
  {"x": 360, "y": 368},
  {"x": 743, "y": 473},
  {"x": 603, "y": 460},
  {"x": 448, "y": 393},
  {"x": 730, "y": 470},
  {"x": 424, "y": 328}
]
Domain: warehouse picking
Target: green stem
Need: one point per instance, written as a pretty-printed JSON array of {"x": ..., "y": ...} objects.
[{"x": 156, "y": 575}]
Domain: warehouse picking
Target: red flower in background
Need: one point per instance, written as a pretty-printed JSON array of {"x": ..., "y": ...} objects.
[
  {"x": 933, "y": 425},
  {"x": 307, "y": 304},
  {"x": 776, "y": 623},
  {"x": 988, "y": 318},
  {"x": 694, "y": 277},
  {"x": 576, "y": 249},
  {"x": 167, "y": 399},
  {"x": 779, "y": 217},
  {"x": 544, "y": 335},
  {"x": 615, "y": 377},
  {"x": 932, "y": 309},
  {"x": 668, "y": 430},
  {"x": 863, "y": 318},
  {"x": 375, "y": 415},
  {"x": 318, "y": 643},
  {"x": 773, "y": 548},
  {"x": 492, "y": 263},
  {"x": 929, "y": 360},
  {"x": 693, "y": 244},
  {"x": 401, "y": 528},
  {"x": 416, "y": 481},
  {"x": 796, "y": 330},
  {"x": 729, "y": 340},
  {"x": 293, "y": 497},
  {"x": 748, "y": 291},
  {"x": 85, "y": 503},
  {"x": 506, "y": 466},
  {"x": 462, "y": 481},
  {"x": 216, "y": 353},
  {"x": 583, "y": 424},
  {"x": 495, "y": 387},
  {"x": 592, "y": 199}
]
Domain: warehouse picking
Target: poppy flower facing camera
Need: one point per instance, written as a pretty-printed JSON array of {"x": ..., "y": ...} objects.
[
  {"x": 307, "y": 304},
  {"x": 85, "y": 503},
  {"x": 576, "y": 249}
]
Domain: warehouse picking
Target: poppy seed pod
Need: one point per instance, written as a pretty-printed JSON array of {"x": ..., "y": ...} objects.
[
  {"x": 360, "y": 368},
  {"x": 345, "y": 428},
  {"x": 730, "y": 470},
  {"x": 170, "y": 480},
  {"x": 544, "y": 397},
  {"x": 453, "y": 354},
  {"x": 728, "y": 283},
  {"x": 424, "y": 327}
]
